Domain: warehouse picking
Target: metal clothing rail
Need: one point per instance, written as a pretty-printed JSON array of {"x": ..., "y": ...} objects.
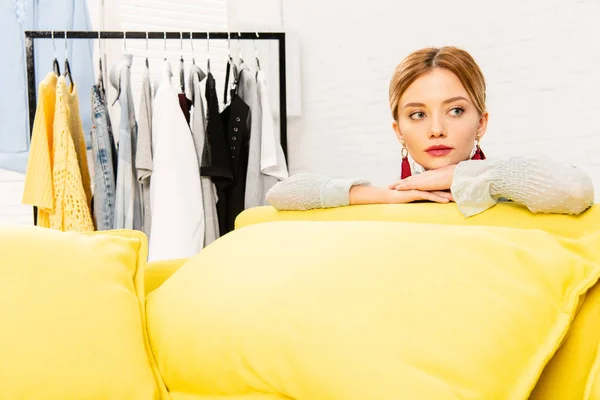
[
  {"x": 278, "y": 36},
  {"x": 30, "y": 36}
]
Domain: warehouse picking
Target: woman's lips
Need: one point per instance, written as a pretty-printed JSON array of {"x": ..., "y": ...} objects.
[{"x": 438, "y": 151}]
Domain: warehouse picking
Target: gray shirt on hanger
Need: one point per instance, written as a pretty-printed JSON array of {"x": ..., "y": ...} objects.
[
  {"x": 143, "y": 155},
  {"x": 257, "y": 183},
  {"x": 128, "y": 205}
]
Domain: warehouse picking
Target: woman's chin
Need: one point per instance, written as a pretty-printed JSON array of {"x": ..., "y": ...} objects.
[{"x": 437, "y": 162}]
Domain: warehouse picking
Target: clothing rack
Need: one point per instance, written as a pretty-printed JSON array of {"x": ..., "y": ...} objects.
[
  {"x": 278, "y": 36},
  {"x": 30, "y": 37}
]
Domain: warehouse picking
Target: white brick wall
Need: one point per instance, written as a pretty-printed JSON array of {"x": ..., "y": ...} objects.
[{"x": 540, "y": 59}]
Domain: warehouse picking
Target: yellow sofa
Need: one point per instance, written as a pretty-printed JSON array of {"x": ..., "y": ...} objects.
[
  {"x": 574, "y": 371},
  {"x": 88, "y": 318},
  {"x": 570, "y": 373}
]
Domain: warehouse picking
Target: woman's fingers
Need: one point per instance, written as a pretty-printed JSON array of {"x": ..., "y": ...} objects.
[
  {"x": 406, "y": 184},
  {"x": 408, "y": 196},
  {"x": 446, "y": 195},
  {"x": 430, "y": 196}
]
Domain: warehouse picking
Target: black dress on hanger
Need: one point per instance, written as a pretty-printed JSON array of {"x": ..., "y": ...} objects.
[{"x": 226, "y": 150}]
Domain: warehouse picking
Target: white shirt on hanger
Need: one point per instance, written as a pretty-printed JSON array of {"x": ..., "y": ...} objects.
[
  {"x": 198, "y": 124},
  {"x": 177, "y": 229},
  {"x": 272, "y": 160}
]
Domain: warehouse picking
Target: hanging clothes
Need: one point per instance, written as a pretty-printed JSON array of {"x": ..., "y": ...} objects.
[
  {"x": 209, "y": 193},
  {"x": 225, "y": 157},
  {"x": 16, "y": 17},
  {"x": 215, "y": 156},
  {"x": 143, "y": 154},
  {"x": 184, "y": 102},
  {"x": 186, "y": 105},
  {"x": 71, "y": 175},
  {"x": 257, "y": 184},
  {"x": 39, "y": 189},
  {"x": 104, "y": 154},
  {"x": 71, "y": 97},
  {"x": 272, "y": 157},
  {"x": 70, "y": 185},
  {"x": 128, "y": 209},
  {"x": 175, "y": 194}
]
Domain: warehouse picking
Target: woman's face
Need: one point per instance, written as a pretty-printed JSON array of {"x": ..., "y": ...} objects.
[{"x": 437, "y": 120}]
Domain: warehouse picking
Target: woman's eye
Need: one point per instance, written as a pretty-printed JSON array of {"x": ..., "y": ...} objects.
[
  {"x": 456, "y": 111},
  {"x": 417, "y": 115}
]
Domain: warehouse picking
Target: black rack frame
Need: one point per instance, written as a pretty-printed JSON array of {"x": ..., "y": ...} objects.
[
  {"x": 30, "y": 58},
  {"x": 278, "y": 36}
]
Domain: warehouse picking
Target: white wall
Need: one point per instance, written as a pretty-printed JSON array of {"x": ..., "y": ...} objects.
[{"x": 540, "y": 59}]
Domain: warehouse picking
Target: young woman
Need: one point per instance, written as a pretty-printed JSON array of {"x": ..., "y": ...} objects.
[{"x": 437, "y": 100}]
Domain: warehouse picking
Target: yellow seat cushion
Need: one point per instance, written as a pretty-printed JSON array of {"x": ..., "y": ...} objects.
[
  {"x": 503, "y": 214},
  {"x": 569, "y": 372},
  {"x": 157, "y": 272},
  {"x": 566, "y": 375},
  {"x": 369, "y": 310},
  {"x": 72, "y": 316},
  {"x": 592, "y": 391}
]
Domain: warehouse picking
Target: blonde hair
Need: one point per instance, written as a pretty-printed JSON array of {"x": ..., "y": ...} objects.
[{"x": 451, "y": 58}]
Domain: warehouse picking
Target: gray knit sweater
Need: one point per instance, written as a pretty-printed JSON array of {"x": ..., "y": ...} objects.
[{"x": 539, "y": 183}]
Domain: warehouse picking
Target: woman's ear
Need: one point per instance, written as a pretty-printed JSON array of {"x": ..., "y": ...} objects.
[
  {"x": 482, "y": 125},
  {"x": 397, "y": 130}
]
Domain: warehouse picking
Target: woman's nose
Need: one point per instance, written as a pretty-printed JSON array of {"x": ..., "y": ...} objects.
[{"x": 437, "y": 129}]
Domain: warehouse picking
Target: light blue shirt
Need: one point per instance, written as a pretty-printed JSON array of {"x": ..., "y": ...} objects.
[{"x": 16, "y": 17}]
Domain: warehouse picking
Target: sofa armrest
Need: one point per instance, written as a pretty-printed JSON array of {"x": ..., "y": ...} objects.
[{"x": 157, "y": 272}]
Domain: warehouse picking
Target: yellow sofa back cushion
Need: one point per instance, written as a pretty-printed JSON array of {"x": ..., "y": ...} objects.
[
  {"x": 369, "y": 310},
  {"x": 503, "y": 214},
  {"x": 72, "y": 316}
]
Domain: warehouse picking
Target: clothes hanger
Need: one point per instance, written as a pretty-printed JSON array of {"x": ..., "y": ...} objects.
[
  {"x": 181, "y": 65},
  {"x": 208, "y": 52},
  {"x": 256, "y": 52},
  {"x": 147, "y": 63},
  {"x": 124, "y": 52},
  {"x": 165, "y": 45},
  {"x": 230, "y": 60},
  {"x": 55, "y": 66},
  {"x": 67, "y": 73},
  {"x": 192, "y": 91},
  {"x": 240, "y": 53},
  {"x": 100, "y": 72},
  {"x": 192, "y": 46},
  {"x": 230, "y": 65}
]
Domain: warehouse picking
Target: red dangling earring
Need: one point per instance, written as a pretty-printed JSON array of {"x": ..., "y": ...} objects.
[
  {"x": 405, "y": 164},
  {"x": 478, "y": 152}
]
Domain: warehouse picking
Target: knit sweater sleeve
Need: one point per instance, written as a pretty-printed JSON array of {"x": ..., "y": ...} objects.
[
  {"x": 308, "y": 191},
  {"x": 540, "y": 184}
]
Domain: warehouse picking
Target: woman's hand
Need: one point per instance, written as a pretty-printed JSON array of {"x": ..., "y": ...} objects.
[
  {"x": 408, "y": 196},
  {"x": 360, "y": 194},
  {"x": 429, "y": 181}
]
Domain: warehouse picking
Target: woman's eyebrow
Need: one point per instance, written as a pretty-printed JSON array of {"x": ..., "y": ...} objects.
[{"x": 450, "y": 100}]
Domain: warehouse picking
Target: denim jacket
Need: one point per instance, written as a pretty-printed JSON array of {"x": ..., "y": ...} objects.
[
  {"x": 105, "y": 162},
  {"x": 17, "y": 16}
]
